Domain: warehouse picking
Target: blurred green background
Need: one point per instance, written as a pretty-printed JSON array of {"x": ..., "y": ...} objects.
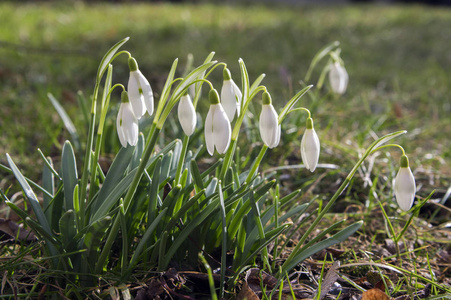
[{"x": 398, "y": 58}]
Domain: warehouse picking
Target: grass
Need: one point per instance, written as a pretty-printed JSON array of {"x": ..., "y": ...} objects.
[{"x": 397, "y": 58}]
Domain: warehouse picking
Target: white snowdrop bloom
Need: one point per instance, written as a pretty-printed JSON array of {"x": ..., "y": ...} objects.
[
  {"x": 310, "y": 147},
  {"x": 405, "y": 187},
  {"x": 126, "y": 123},
  {"x": 217, "y": 126},
  {"x": 338, "y": 77},
  {"x": 187, "y": 115},
  {"x": 269, "y": 123},
  {"x": 230, "y": 96},
  {"x": 139, "y": 90}
]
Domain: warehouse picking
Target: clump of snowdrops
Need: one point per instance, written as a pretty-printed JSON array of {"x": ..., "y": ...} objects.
[{"x": 155, "y": 207}]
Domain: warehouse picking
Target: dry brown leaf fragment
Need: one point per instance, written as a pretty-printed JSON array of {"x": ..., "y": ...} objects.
[{"x": 374, "y": 294}]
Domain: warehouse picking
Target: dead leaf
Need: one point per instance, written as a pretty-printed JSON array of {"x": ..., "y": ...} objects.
[
  {"x": 11, "y": 232},
  {"x": 329, "y": 280},
  {"x": 247, "y": 293},
  {"x": 374, "y": 294}
]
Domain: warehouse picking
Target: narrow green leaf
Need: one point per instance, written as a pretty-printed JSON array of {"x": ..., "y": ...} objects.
[
  {"x": 115, "y": 175},
  {"x": 66, "y": 120},
  {"x": 144, "y": 239},
  {"x": 68, "y": 229},
  {"x": 320, "y": 55},
  {"x": 197, "y": 178},
  {"x": 30, "y": 195},
  {"x": 189, "y": 228},
  {"x": 107, "y": 58},
  {"x": 335, "y": 239},
  {"x": 256, "y": 83},
  {"x": 69, "y": 174},
  {"x": 93, "y": 239},
  {"x": 48, "y": 183}
]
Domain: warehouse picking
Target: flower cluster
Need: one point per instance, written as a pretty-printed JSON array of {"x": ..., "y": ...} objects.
[{"x": 134, "y": 105}]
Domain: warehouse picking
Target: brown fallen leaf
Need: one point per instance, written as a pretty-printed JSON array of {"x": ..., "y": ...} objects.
[
  {"x": 11, "y": 232},
  {"x": 247, "y": 293},
  {"x": 374, "y": 294}
]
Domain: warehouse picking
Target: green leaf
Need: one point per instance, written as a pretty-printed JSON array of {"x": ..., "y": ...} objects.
[
  {"x": 335, "y": 239},
  {"x": 66, "y": 120},
  {"x": 320, "y": 55},
  {"x": 292, "y": 102},
  {"x": 31, "y": 197},
  {"x": 189, "y": 228},
  {"x": 107, "y": 58},
  {"x": 256, "y": 83},
  {"x": 69, "y": 174},
  {"x": 93, "y": 239},
  {"x": 48, "y": 183},
  {"x": 68, "y": 229},
  {"x": 114, "y": 176},
  {"x": 144, "y": 239}
]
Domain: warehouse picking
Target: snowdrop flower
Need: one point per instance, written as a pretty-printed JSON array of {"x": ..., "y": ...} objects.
[
  {"x": 405, "y": 185},
  {"x": 140, "y": 92},
  {"x": 269, "y": 123},
  {"x": 187, "y": 115},
  {"x": 310, "y": 147},
  {"x": 338, "y": 78},
  {"x": 230, "y": 95},
  {"x": 217, "y": 126},
  {"x": 127, "y": 124}
]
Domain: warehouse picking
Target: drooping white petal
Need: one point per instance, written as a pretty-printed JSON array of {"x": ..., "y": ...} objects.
[
  {"x": 269, "y": 127},
  {"x": 338, "y": 77},
  {"x": 405, "y": 188},
  {"x": 310, "y": 148},
  {"x": 147, "y": 93},
  {"x": 120, "y": 131},
  {"x": 208, "y": 130},
  {"x": 135, "y": 94},
  {"x": 187, "y": 115},
  {"x": 127, "y": 125},
  {"x": 130, "y": 124},
  {"x": 230, "y": 98},
  {"x": 222, "y": 131}
]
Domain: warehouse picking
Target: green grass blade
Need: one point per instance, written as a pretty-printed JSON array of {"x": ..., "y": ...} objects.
[
  {"x": 320, "y": 55},
  {"x": 335, "y": 239},
  {"x": 69, "y": 174},
  {"x": 66, "y": 120}
]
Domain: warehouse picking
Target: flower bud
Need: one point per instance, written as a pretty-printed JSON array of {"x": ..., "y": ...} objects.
[
  {"x": 126, "y": 122},
  {"x": 230, "y": 96},
  {"x": 405, "y": 187},
  {"x": 310, "y": 147},
  {"x": 338, "y": 78},
  {"x": 187, "y": 115},
  {"x": 140, "y": 92},
  {"x": 270, "y": 129},
  {"x": 217, "y": 126}
]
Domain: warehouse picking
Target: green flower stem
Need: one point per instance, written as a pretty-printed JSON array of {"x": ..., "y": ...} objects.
[
  {"x": 336, "y": 195},
  {"x": 103, "y": 113},
  {"x": 303, "y": 109},
  {"x": 389, "y": 145},
  {"x": 150, "y": 145},
  {"x": 181, "y": 161},
  {"x": 87, "y": 162},
  {"x": 235, "y": 133},
  {"x": 153, "y": 134},
  {"x": 256, "y": 163}
]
